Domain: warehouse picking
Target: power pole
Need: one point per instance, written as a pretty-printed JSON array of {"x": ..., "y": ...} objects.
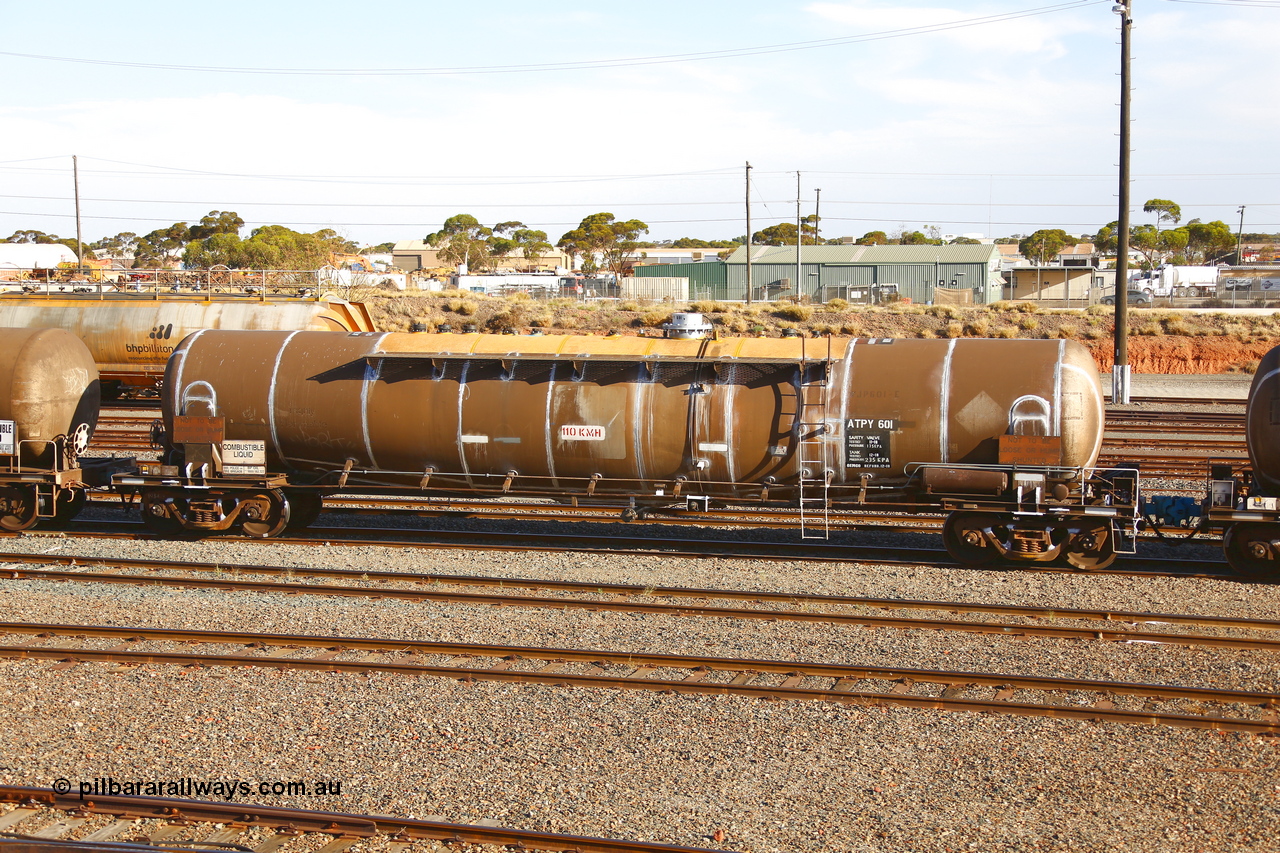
[
  {"x": 748, "y": 241},
  {"x": 75, "y": 173},
  {"x": 1239, "y": 236},
  {"x": 817, "y": 215},
  {"x": 1120, "y": 371}
]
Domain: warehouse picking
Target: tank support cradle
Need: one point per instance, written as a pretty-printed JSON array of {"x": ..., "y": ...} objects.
[{"x": 983, "y": 538}]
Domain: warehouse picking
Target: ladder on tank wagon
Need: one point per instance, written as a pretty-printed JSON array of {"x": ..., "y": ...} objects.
[{"x": 812, "y": 398}]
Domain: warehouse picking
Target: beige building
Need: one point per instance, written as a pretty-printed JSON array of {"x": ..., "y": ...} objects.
[
  {"x": 1053, "y": 283},
  {"x": 414, "y": 255}
]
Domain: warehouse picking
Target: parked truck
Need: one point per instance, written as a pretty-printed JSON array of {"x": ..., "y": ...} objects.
[{"x": 1181, "y": 282}]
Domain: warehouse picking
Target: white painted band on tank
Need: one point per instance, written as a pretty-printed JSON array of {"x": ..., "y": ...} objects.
[
  {"x": 640, "y": 398},
  {"x": 372, "y": 372},
  {"x": 546, "y": 427},
  {"x": 181, "y": 355},
  {"x": 845, "y": 386},
  {"x": 463, "y": 390},
  {"x": 727, "y": 410},
  {"x": 271, "y": 400},
  {"x": 1057, "y": 388},
  {"x": 944, "y": 407}
]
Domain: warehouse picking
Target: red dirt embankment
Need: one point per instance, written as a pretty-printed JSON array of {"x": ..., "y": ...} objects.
[{"x": 1179, "y": 355}]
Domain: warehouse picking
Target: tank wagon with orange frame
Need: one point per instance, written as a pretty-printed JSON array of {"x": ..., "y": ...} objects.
[
  {"x": 132, "y": 336},
  {"x": 1002, "y": 434},
  {"x": 48, "y": 410}
]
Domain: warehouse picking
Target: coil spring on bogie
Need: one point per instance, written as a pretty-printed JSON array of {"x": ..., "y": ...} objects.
[
  {"x": 205, "y": 516},
  {"x": 1024, "y": 542}
]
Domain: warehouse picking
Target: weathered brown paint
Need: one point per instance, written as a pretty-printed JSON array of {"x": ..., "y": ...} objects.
[
  {"x": 721, "y": 414},
  {"x": 131, "y": 339},
  {"x": 48, "y": 386},
  {"x": 1262, "y": 422}
]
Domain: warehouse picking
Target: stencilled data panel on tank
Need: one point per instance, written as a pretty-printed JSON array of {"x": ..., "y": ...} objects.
[{"x": 868, "y": 442}]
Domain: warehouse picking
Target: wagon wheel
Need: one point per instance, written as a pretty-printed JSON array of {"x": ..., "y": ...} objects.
[
  {"x": 155, "y": 514},
  {"x": 304, "y": 508},
  {"x": 263, "y": 514},
  {"x": 67, "y": 508},
  {"x": 17, "y": 508},
  {"x": 964, "y": 535},
  {"x": 1250, "y": 549},
  {"x": 1092, "y": 546}
]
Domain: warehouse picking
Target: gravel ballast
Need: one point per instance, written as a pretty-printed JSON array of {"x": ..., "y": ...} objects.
[{"x": 674, "y": 768}]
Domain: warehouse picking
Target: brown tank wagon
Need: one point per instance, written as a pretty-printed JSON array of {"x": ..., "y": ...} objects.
[
  {"x": 1003, "y": 433},
  {"x": 1244, "y": 503},
  {"x": 131, "y": 337},
  {"x": 49, "y": 402}
]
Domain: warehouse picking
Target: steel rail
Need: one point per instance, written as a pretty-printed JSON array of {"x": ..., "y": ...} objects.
[
  {"x": 655, "y": 608},
  {"x": 618, "y": 589},
  {"x": 641, "y": 663},
  {"x": 291, "y": 822}
]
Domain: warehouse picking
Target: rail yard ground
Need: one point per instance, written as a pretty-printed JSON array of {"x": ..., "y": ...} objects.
[
  {"x": 1163, "y": 340},
  {"x": 676, "y": 768}
]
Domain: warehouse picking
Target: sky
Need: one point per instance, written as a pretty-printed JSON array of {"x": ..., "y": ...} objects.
[{"x": 382, "y": 119}]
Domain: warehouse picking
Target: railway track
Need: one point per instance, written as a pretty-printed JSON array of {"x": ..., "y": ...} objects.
[
  {"x": 624, "y": 598},
  {"x": 56, "y": 820},
  {"x": 944, "y": 690}
]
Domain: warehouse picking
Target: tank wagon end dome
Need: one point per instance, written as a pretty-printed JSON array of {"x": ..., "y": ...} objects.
[{"x": 48, "y": 387}]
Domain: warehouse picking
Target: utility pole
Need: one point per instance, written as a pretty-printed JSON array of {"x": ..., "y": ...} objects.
[
  {"x": 1239, "y": 236},
  {"x": 75, "y": 173},
  {"x": 748, "y": 233},
  {"x": 1120, "y": 371},
  {"x": 817, "y": 216},
  {"x": 799, "y": 269}
]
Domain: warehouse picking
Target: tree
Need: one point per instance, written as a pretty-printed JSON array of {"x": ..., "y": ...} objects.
[
  {"x": 160, "y": 245},
  {"x": 1165, "y": 211},
  {"x": 532, "y": 244},
  {"x": 216, "y": 222},
  {"x": 121, "y": 244},
  {"x": 601, "y": 236},
  {"x": 915, "y": 238},
  {"x": 873, "y": 238},
  {"x": 463, "y": 240},
  {"x": 29, "y": 236},
  {"x": 695, "y": 243},
  {"x": 965, "y": 241},
  {"x": 1208, "y": 242},
  {"x": 269, "y": 247},
  {"x": 1044, "y": 244},
  {"x": 1145, "y": 239},
  {"x": 782, "y": 234}
]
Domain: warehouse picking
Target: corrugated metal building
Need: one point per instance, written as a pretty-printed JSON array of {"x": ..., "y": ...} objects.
[{"x": 847, "y": 272}]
